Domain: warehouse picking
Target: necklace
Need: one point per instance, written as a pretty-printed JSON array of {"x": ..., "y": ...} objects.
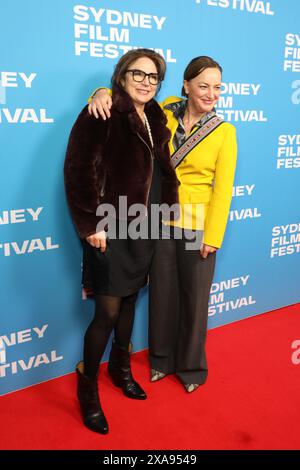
[{"x": 147, "y": 125}]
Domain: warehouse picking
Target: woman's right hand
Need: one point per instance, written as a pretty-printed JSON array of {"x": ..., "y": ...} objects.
[
  {"x": 101, "y": 103},
  {"x": 98, "y": 240}
]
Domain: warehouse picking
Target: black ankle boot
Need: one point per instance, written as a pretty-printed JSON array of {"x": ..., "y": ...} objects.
[
  {"x": 87, "y": 392},
  {"x": 120, "y": 372}
]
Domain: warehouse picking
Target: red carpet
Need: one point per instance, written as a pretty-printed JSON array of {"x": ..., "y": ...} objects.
[{"x": 251, "y": 400}]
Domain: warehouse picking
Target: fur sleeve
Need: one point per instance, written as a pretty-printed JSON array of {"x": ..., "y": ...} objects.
[{"x": 82, "y": 171}]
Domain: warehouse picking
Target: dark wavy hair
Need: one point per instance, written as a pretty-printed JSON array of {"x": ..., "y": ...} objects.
[{"x": 131, "y": 56}]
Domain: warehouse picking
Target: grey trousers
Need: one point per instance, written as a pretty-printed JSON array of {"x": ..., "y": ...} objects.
[{"x": 180, "y": 282}]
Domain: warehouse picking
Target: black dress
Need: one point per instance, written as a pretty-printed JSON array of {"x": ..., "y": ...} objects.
[{"x": 124, "y": 266}]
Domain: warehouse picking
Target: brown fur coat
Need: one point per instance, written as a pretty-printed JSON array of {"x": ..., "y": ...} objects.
[{"x": 107, "y": 159}]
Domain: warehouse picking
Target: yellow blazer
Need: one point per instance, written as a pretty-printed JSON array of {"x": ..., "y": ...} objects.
[{"x": 206, "y": 179}]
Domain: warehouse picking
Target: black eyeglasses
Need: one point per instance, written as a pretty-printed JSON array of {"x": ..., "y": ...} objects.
[{"x": 139, "y": 76}]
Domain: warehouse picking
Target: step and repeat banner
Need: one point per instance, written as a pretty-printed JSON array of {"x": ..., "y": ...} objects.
[{"x": 53, "y": 54}]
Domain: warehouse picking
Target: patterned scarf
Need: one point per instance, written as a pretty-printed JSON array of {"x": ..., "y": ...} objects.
[{"x": 178, "y": 110}]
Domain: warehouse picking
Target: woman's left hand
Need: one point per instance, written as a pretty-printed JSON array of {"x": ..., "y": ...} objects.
[{"x": 205, "y": 250}]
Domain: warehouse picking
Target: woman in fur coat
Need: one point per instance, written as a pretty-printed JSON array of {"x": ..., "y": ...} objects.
[
  {"x": 126, "y": 156},
  {"x": 178, "y": 319}
]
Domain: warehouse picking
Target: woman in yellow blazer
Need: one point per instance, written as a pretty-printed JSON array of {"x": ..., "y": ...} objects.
[{"x": 181, "y": 274}]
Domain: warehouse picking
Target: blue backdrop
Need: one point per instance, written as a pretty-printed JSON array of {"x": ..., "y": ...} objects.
[{"x": 53, "y": 55}]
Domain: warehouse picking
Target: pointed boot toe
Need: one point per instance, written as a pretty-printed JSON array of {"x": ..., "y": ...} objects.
[
  {"x": 133, "y": 390},
  {"x": 120, "y": 371},
  {"x": 87, "y": 392}
]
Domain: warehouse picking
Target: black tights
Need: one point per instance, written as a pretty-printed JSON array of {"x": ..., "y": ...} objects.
[{"x": 110, "y": 313}]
